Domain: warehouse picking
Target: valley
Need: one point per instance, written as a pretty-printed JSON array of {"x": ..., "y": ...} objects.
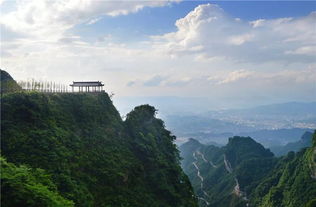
[
  {"x": 244, "y": 173},
  {"x": 76, "y": 150}
]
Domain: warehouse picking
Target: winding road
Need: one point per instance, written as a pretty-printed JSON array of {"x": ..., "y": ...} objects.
[
  {"x": 200, "y": 177},
  {"x": 205, "y": 160},
  {"x": 227, "y": 165},
  {"x": 237, "y": 191}
]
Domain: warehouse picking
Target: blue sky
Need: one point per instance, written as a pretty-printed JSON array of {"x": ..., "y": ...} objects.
[
  {"x": 230, "y": 52},
  {"x": 160, "y": 20}
]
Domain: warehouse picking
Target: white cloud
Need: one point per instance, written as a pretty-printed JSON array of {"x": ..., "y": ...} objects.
[
  {"x": 49, "y": 20},
  {"x": 257, "y": 41},
  {"x": 93, "y": 21},
  {"x": 240, "y": 39},
  {"x": 203, "y": 57},
  {"x": 305, "y": 50},
  {"x": 257, "y": 23},
  {"x": 235, "y": 76}
]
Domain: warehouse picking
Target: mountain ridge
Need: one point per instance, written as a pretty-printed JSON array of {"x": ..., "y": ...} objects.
[{"x": 88, "y": 155}]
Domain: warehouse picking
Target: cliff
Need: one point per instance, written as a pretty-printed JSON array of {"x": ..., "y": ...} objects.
[{"x": 88, "y": 155}]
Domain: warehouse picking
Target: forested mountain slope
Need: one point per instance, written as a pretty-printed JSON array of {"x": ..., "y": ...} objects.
[
  {"x": 74, "y": 149},
  {"x": 291, "y": 183},
  {"x": 244, "y": 173}
]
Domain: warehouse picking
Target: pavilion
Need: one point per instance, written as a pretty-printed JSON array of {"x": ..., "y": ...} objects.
[{"x": 87, "y": 86}]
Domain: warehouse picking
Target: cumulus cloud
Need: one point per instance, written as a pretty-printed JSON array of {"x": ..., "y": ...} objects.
[
  {"x": 241, "y": 39},
  {"x": 50, "y": 19},
  {"x": 257, "y": 23},
  {"x": 209, "y": 52},
  {"x": 213, "y": 31}
]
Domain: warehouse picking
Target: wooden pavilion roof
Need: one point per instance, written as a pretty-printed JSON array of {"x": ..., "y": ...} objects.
[{"x": 86, "y": 83}]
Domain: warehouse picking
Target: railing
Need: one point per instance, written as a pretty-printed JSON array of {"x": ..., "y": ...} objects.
[
  {"x": 44, "y": 86},
  {"x": 53, "y": 87}
]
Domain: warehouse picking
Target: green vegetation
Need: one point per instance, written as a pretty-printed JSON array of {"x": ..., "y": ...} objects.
[
  {"x": 264, "y": 180},
  {"x": 74, "y": 149},
  {"x": 160, "y": 160},
  {"x": 7, "y": 84},
  {"x": 23, "y": 186},
  {"x": 240, "y": 149},
  {"x": 291, "y": 183},
  {"x": 71, "y": 149}
]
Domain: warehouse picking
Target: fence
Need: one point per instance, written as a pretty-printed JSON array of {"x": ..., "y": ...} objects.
[{"x": 44, "y": 86}]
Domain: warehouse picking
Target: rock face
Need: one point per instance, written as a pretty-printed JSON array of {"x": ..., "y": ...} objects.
[
  {"x": 88, "y": 155},
  {"x": 244, "y": 173}
]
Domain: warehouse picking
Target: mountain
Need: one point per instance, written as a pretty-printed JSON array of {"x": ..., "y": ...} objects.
[
  {"x": 244, "y": 173},
  {"x": 7, "y": 83},
  {"x": 216, "y": 172},
  {"x": 292, "y": 181},
  {"x": 305, "y": 141},
  {"x": 73, "y": 149}
]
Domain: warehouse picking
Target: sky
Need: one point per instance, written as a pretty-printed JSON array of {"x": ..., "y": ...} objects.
[{"x": 233, "y": 53}]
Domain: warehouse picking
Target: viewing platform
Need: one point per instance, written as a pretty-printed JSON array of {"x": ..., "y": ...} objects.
[
  {"x": 87, "y": 86},
  {"x": 53, "y": 87}
]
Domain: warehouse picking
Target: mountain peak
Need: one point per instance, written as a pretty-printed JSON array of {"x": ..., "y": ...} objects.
[
  {"x": 146, "y": 112},
  {"x": 7, "y": 83},
  {"x": 242, "y": 148},
  {"x": 192, "y": 140}
]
